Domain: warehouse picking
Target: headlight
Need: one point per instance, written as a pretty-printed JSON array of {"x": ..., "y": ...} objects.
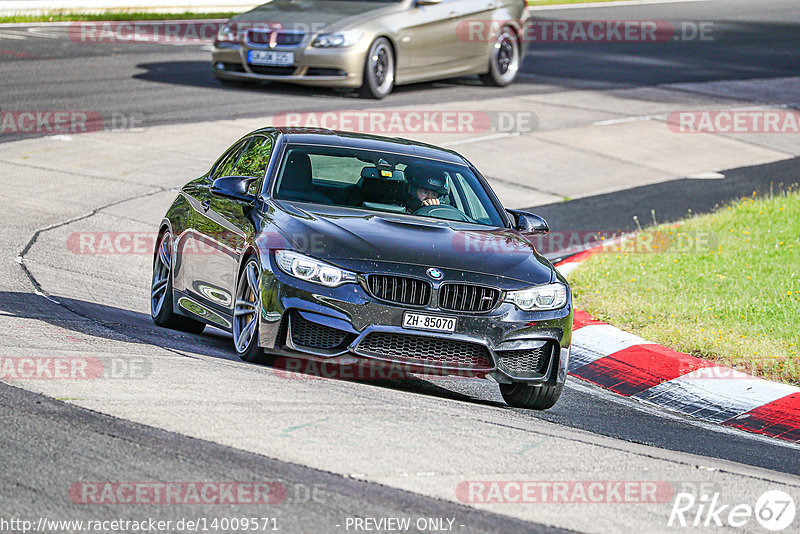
[
  {"x": 549, "y": 297},
  {"x": 228, "y": 33},
  {"x": 311, "y": 270},
  {"x": 337, "y": 40}
]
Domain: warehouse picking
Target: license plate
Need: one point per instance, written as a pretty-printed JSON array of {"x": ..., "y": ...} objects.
[
  {"x": 268, "y": 58},
  {"x": 434, "y": 323}
]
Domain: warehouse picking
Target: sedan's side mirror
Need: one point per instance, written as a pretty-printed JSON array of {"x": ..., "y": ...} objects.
[
  {"x": 234, "y": 187},
  {"x": 529, "y": 222}
]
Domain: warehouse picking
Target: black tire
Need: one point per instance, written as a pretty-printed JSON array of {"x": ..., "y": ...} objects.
[
  {"x": 248, "y": 349},
  {"x": 161, "y": 308},
  {"x": 379, "y": 68},
  {"x": 540, "y": 397},
  {"x": 504, "y": 59}
]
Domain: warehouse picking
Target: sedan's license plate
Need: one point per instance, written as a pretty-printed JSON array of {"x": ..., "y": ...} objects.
[
  {"x": 270, "y": 59},
  {"x": 435, "y": 323}
]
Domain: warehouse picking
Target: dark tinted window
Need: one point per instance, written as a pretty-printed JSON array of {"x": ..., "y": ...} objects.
[
  {"x": 255, "y": 158},
  {"x": 227, "y": 163}
]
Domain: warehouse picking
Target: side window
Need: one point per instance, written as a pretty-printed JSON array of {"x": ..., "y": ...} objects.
[
  {"x": 476, "y": 209},
  {"x": 227, "y": 163},
  {"x": 255, "y": 158},
  {"x": 336, "y": 169}
]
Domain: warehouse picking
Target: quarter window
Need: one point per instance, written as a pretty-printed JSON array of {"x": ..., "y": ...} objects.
[
  {"x": 255, "y": 158},
  {"x": 228, "y": 161}
]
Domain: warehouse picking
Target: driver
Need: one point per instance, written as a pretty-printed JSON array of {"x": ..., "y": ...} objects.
[{"x": 426, "y": 187}]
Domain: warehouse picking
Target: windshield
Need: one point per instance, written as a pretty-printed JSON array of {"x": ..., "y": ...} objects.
[{"x": 383, "y": 182}]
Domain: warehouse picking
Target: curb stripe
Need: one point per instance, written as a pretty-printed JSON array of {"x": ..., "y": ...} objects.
[
  {"x": 715, "y": 394},
  {"x": 596, "y": 341},
  {"x": 580, "y": 319},
  {"x": 639, "y": 368},
  {"x": 779, "y": 419},
  {"x": 634, "y": 367}
]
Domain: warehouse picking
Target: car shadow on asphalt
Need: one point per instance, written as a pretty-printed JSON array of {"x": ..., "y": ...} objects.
[
  {"x": 79, "y": 320},
  {"x": 198, "y": 74}
]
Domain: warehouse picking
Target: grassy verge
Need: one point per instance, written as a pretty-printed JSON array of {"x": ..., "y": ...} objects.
[
  {"x": 723, "y": 286},
  {"x": 114, "y": 15}
]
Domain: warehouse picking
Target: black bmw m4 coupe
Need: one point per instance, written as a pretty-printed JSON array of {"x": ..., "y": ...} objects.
[{"x": 340, "y": 247}]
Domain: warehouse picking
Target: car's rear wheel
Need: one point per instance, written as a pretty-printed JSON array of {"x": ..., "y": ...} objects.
[
  {"x": 378, "y": 70},
  {"x": 539, "y": 397},
  {"x": 161, "y": 291},
  {"x": 504, "y": 59},
  {"x": 246, "y": 313}
]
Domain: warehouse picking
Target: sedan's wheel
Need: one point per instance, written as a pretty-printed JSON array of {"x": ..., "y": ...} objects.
[
  {"x": 161, "y": 291},
  {"x": 504, "y": 59},
  {"x": 246, "y": 313},
  {"x": 378, "y": 70},
  {"x": 539, "y": 397}
]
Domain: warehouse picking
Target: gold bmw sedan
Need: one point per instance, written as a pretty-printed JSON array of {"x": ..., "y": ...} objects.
[{"x": 372, "y": 45}]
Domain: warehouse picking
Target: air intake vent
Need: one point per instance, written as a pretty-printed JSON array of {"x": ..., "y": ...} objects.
[
  {"x": 428, "y": 350},
  {"x": 306, "y": 333},
  {"x": 468, "y": 298},
  {"x": 399, "y": 289},
  {"x": 525, "y": 363}
]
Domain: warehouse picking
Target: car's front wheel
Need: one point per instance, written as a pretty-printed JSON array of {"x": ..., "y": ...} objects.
[
  {"x": 161, "y": 291},
  {"x": 246, "y": 313},
  {"x": 504, "y": 59},
  {"x": 533, "y": 397},
  {"x": 378, "y": 70}
]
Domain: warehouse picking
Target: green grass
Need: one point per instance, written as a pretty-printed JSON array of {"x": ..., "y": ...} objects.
[
  {"x": 114, "y": 15},
  {"x": 723, "y": 286}
]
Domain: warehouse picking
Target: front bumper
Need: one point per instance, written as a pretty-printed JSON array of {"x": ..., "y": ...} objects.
[
  {"x": 352, "y": 311},
  {"x": 328, "y": 67}
]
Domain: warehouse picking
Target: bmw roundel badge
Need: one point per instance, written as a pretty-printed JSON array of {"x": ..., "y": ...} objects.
[{"x": 436, "y": 274}]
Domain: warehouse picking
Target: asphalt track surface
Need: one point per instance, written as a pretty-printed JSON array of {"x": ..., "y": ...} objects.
[
  {"x": 168, "y": 84},
  {"x": 48, "y": 444}
]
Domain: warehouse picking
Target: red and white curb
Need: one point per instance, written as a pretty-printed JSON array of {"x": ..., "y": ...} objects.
[{"x": 634, "y": 367}]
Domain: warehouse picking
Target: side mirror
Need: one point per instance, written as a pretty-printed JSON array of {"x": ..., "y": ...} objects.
[
  {"x": 234, "y": 187},
  {"x": 529, "y": 222}
]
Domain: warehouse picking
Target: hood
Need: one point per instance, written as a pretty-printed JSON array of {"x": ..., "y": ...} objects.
[
  {"x": 362, "y": 240},
  {"x": 313, "y": 15}
]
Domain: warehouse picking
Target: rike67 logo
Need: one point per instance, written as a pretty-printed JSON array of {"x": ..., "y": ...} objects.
[{"x": 774, "y": 510}]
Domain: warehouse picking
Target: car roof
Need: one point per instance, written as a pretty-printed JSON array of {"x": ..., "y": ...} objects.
[{"x": 397, "y": 145}]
